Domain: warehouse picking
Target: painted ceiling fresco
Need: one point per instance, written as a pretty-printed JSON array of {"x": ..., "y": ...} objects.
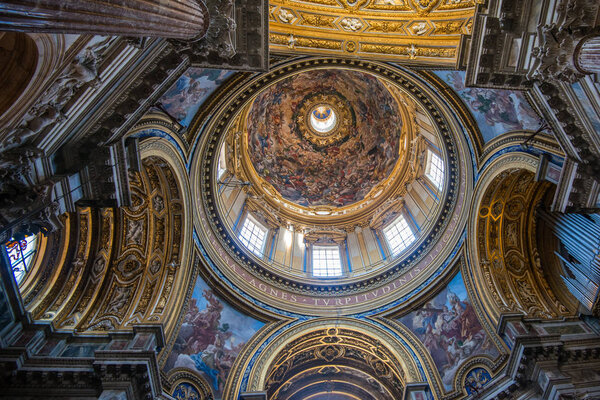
[
  {"x": 211, "y": 337},
  {"x": 338, "y": 174},
  {"x": 450, "y": 330},
  {"x": 184, "y": 98},
  {"x": 496, "y": 111}
]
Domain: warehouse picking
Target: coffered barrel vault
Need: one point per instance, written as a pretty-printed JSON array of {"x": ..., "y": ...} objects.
[{"x": 421, "y": 32}]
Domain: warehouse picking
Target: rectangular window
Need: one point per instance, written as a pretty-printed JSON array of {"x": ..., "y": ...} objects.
[
  {"x": 435, "y": 169},
  {"x": 253, "y": 235},
  {"x": 398, "y": 235},
  {"x": 326, "y": 261},
  {"x": 222, "y": 167}
]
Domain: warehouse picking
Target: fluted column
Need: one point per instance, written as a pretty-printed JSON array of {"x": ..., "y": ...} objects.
[
  {"x": 587, "y": 55},
  {"x": 178, "y": 19}
]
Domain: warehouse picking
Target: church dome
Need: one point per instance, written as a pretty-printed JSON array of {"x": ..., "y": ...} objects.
[
  {"x": 329, "y": 178},
  {"x": 325, "y": 137}
]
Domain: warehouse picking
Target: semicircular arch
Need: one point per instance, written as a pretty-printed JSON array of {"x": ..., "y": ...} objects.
[
  {"x": 503, "y": 261},
  {"x": 322, "y": 333}
]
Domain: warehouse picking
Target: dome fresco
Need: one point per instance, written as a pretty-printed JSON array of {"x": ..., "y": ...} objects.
[{"x": 365, "y": 141}]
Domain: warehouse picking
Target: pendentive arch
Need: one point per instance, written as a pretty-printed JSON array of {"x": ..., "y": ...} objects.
[
  {"x": 330, "y": 347},
  {"x": 111, "y": 268},
  {"x": 487, "y": 360},
  {"x": 504, "y": 261}
]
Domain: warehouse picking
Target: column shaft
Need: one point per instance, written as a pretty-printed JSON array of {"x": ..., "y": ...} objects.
[
  {"x": 587, "y": 55},
  {"x": 179, "y": 19}
]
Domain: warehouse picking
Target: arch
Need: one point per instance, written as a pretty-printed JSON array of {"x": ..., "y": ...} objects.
[
  {"x": 42, "y": 54},
  {"x": 183, "y": 377},
  {"x": 20, "y": 57},
  {"x": 503, "y": 258},
  {"x": 115, "y": 268},
  {"x": 331, "y": 342},
  {"x": 184, "y": 281}
]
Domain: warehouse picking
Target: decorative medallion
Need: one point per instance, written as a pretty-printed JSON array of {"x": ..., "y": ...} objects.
[{"x": 324, "y": 119}]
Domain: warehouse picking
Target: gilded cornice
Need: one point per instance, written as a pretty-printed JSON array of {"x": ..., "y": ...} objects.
[
  {"x": 423, "y": 32},
  {"x": 162, "y": 122},
  {"x": 543, "y": 142}
]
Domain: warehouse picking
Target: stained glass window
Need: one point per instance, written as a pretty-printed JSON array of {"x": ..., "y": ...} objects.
[
  {"x": 435, "y": 169},
  {"x": 398, "y": 235},
  {"x": 253, "y": 235},
  {"x": 20, "y": 253},
  {"x": 326, "y": 261}
]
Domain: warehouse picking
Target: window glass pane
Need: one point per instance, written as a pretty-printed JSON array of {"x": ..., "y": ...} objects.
[
  {"x": 253, "y": 235},
  {"x": 222, "y": 167},
  {"x": 20, "y": 254},
  {"x": 398, "y": 235},
  {"x": 326, "y": 261},
  {"x": 435, "y": 169}
]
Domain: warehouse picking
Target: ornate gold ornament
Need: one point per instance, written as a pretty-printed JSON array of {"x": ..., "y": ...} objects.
[
  {"x": 351, "y": 24},
  {"x": 286, "y": 16},
  {"x": 448, "y": 27},
  {"x": 331, "y": 111},
  {"x": 350, "y": 47},
  {"x": 322, "y": 26},
  {"x": 505, "y": 264},
  {"x": 130, "y": 276}
]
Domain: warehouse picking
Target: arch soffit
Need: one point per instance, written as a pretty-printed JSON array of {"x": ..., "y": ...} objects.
[
  {"x": 506, "y": 162},
  {"x": 487, "y": 285},
  {"x": 82, "y": 297},
  {"x": 161, "y": 148},
  {"x": 263, "y": 357}
]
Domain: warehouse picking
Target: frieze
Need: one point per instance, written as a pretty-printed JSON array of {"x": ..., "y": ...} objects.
[{"x": 318, "y": 20}]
